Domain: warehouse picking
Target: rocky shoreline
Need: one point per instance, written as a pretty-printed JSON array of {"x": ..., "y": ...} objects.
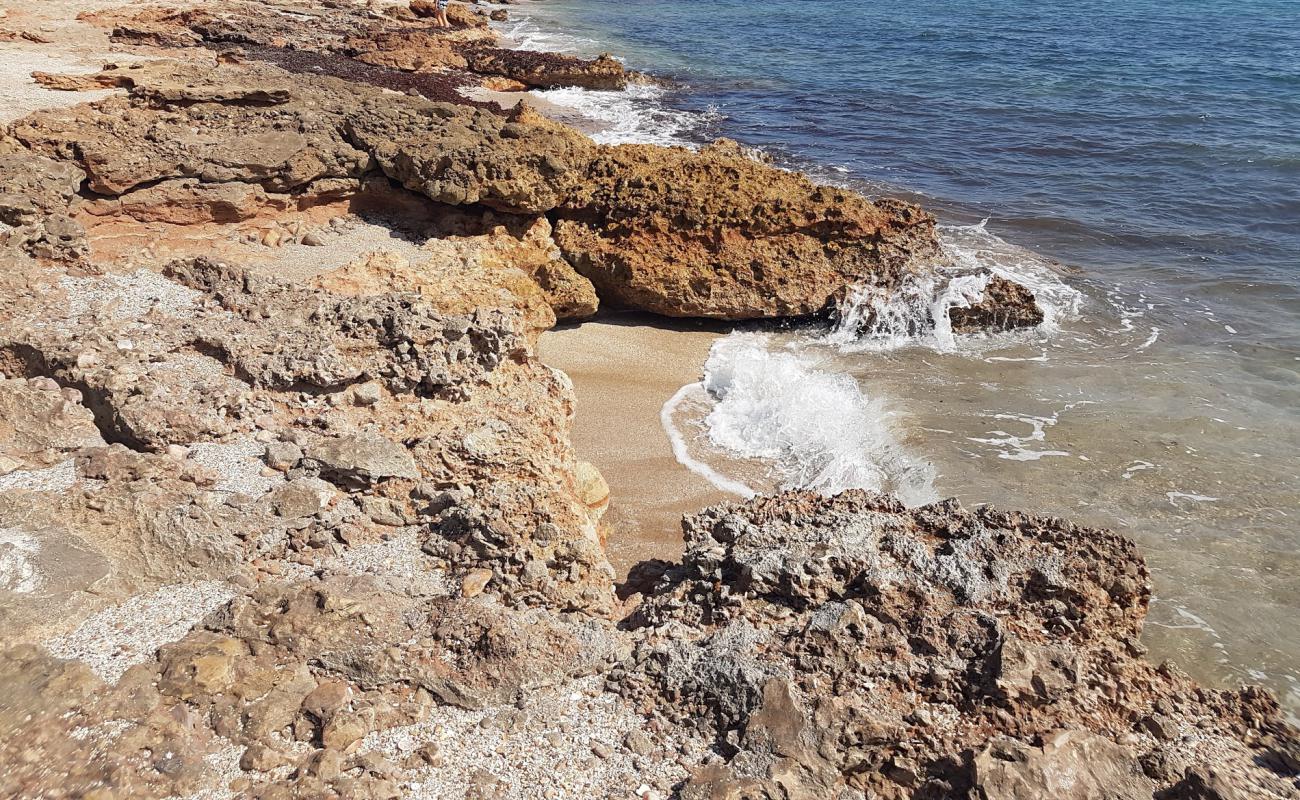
[{"x": 288, "y": 503}]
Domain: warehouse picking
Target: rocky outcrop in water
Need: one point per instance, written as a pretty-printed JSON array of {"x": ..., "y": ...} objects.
[{"x": 1004, "y": 305}]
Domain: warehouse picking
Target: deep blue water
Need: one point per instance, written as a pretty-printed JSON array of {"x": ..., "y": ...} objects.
[{"x": 1163, "y": 134}]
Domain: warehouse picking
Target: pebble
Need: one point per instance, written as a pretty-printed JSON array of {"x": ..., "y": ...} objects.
[{"x": 474, "y": 582}]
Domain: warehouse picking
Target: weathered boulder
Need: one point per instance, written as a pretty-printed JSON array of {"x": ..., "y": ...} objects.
[{"x": 1004, "y": 305}]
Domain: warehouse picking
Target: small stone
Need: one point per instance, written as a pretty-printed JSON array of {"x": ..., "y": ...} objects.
[
  {"x": 313, "y": 239},
  {"x": 327, "y": 764},
  {"x": 474, "y": 582},
  {"x": 366, "y": 394},
  {"x": 325, "y": 700},
  {"x": 430, "y": 754},
  {"x": 344, "y": 730},
  {"x": 601, "y": 750},
  {"x": 365, "y": 456},
  {"x": 260, "y": 758},
  {"x": 283, "y": 456},
  {"x": 637, "y": 742}
]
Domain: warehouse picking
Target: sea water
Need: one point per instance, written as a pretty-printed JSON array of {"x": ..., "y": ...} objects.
[{"x": 1135, "y": 162}]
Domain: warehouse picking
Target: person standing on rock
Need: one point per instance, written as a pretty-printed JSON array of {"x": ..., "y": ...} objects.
[{"x": 440, "y": 14}]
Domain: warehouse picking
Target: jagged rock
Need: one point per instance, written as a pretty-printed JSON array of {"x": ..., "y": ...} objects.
[
  {"x": 327, "y": 341},
  {"x": 41, "y": 424},
  {"x": 188, "y": 201},
  {"x": 227, "y": 125},
  {"x": 548, "y": 70},
  {"x": 417, "y": 50},
  {"x": 851, "y": 645},
  {"x": 1005, "y": 305},
  {"x": 1071, "y": 765},
  {"x": 710, "y": 234},
  {"x": 31, "y": 185},
  {"x": 745, "y": 240}
]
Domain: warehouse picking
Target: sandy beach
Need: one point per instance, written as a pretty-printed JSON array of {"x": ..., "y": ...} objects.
[{"x": 624, "y": 368}]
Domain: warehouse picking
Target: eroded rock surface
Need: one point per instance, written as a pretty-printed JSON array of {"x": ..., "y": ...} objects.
[
  {"x": 846, "y": 646},
  {"x": 286, "y": 491}
]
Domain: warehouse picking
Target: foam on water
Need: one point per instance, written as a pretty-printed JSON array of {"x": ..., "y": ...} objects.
[
  {"x": 815, "y": 429},
  {"x": 636, "y": 115},
  {"x": 918, "y": 314}
]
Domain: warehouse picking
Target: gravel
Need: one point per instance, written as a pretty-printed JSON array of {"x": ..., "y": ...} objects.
[
  {"x": 128, "y": 297},
  {"x": 398, "y": 557},
  {"x": 58, "y": 478},
  {"x": 113, "y": 640},
  {"x": 238, "y": 465},
  {"x": 546, "y": 750}
]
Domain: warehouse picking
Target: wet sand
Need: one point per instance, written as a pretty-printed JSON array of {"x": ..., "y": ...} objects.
[{"x": 624, "y": 368}]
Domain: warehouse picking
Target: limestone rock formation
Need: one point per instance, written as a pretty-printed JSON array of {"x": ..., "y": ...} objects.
[
  {"x": 284, "y": 488},
  {"x": 849, "y": 645}
]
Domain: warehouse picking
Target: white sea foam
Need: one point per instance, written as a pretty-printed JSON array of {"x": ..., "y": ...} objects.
[
  {"x": 815, "y": 429},
  {"x": 1026, "y": 447},
  {"x": 530, "y": 32},
  {"x": 918, "y": 314},
  {"x": 682, "y": 449},
  {"x": 636, "y": 115}
]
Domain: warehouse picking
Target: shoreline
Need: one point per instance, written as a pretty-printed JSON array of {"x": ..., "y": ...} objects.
[
  {"x": 1179, "y": 537},
  {"x": 624, "y": 368},
  {"x": 294, "y": 495}
]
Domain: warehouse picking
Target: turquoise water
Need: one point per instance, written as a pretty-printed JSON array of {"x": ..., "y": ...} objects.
[{"x": 1137, "y": 162}]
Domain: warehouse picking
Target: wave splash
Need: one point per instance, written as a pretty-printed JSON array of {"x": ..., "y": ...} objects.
[
  {"x": 918, "y": 314},
  {"x": 814, "y": 429}
]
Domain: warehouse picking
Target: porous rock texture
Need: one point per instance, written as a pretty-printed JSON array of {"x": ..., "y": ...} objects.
[
  {"x": 283, "y": 484},
  {"x": 850, "y": 647}
]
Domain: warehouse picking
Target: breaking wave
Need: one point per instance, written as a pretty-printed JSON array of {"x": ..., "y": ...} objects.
[
  {"x": 636, "y": 115},
  {"x": 813, "y": 429},
  {"x": 918, "y": 314}
]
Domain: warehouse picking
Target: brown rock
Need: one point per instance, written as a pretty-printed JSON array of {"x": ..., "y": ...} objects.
[
  {"x": 1071, "y": 765},
  {"x": 326, "y": 699},
  {"x": 474, "y": 582},
  {"x": 362, "y": 457},
  {"x": 343, "y": 730},
  {"x": 548, "y": 70},
  {"x": 1006, "y": 305}
]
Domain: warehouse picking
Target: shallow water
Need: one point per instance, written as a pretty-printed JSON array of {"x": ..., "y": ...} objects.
[{"x": 1135, "y": 162}]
